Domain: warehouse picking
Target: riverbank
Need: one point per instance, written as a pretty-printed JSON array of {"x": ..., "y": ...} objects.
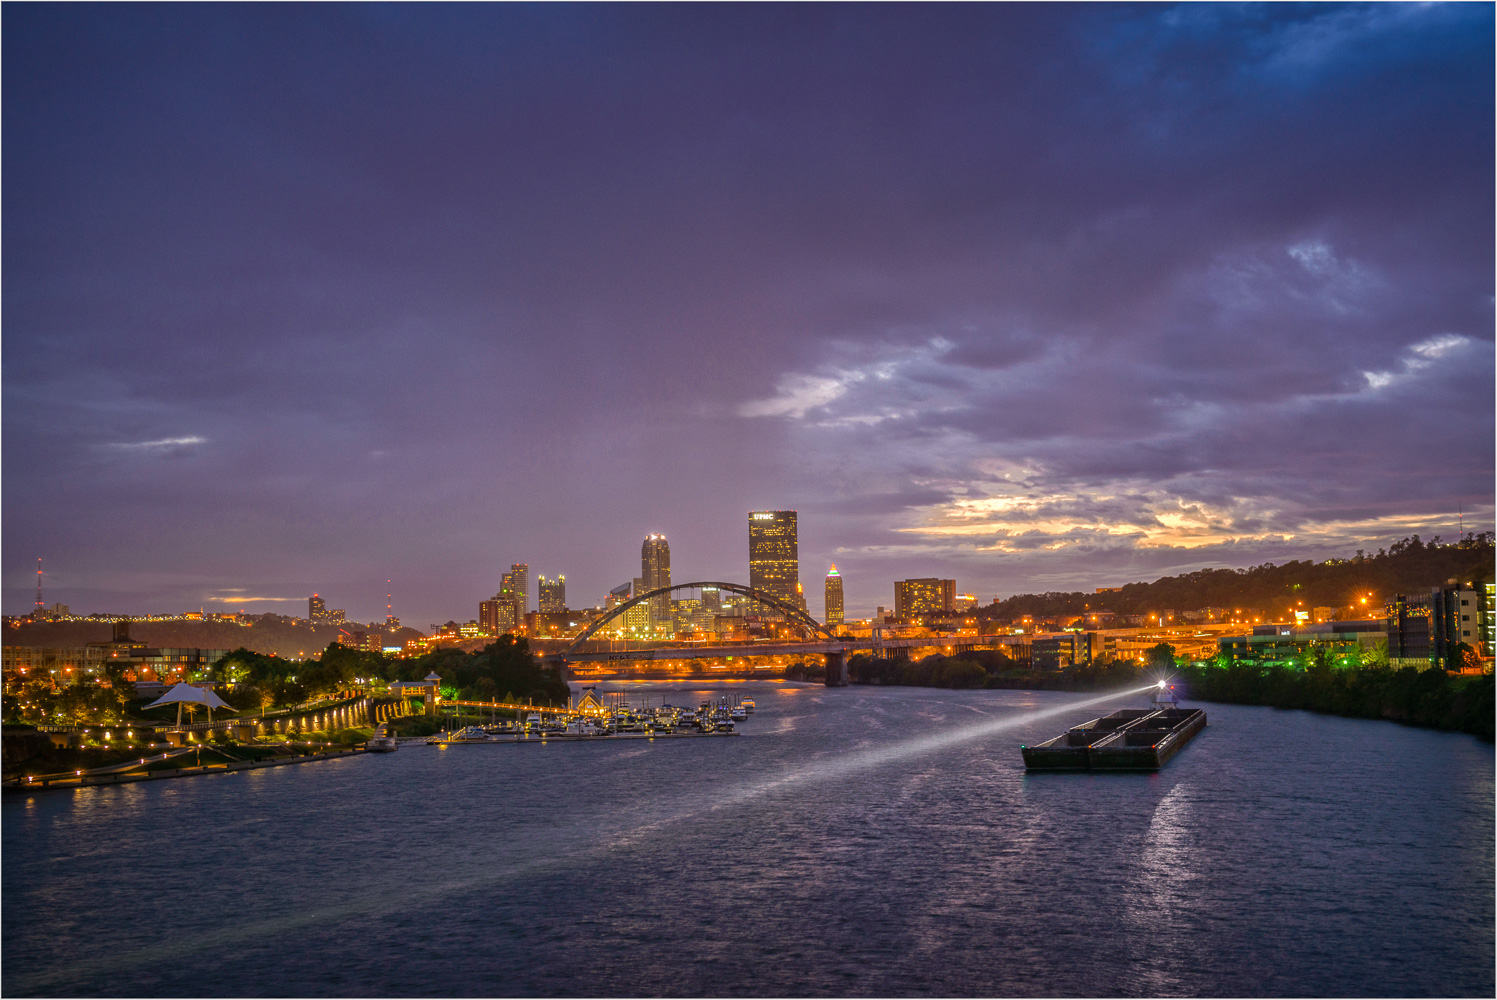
[
  {"x": 1432, "y": 699},
  {"x": 152, "y": 772}
]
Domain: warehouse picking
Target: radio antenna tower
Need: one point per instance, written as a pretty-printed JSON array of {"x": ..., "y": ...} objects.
[
  {"x": 389, "y": 602},
  {"x": 39, "y": 605}
]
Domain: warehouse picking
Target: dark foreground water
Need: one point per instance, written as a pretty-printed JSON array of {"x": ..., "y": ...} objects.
[{"x": 855, "y": 841}]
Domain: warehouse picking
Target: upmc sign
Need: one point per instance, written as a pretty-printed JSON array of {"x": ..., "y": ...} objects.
[{"x": 764, "y": 517}]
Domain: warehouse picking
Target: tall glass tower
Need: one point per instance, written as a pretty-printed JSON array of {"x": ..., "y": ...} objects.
[
  {"x": 833, "y": 596},
  {"x": 519, "y": 577},
  {"x": 655, "y": 572},
  {"x": 774, "y": 554}
]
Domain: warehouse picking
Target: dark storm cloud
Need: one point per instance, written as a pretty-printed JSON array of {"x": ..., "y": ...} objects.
[{"x": 1025, "y": 294}]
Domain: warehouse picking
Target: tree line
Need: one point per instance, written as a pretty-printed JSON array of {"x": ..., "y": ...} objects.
[
  {"x": 1408, "y": 566},
  {"x": 1431, "y": 698},
  {"x": 1360, "y": 687},
  {"x": 503, "y": 670}
]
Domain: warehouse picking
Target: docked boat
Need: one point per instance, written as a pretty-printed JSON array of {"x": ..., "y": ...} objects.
[
  {"x": 748, "y": 705},
  {"x": 382, "y": 744},
  {"x": 738, "y": 714},
  {"x": 1130, "y": 740},
  {"x": 471, "y": 734}
]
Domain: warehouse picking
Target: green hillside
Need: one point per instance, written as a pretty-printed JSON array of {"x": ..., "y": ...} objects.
[{"x": 1410, "y": 566}]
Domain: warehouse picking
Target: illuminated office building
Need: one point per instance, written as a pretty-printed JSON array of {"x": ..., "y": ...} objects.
[
  {"x": 655, "y": 573},
  {"x": 691, "y": 616},
  {"x": 553, "y": 594},
  {"x": 833, "y": 596},
  {"x": 922, "y": 598},
  {"x": 634, "y": 623},
  {"x": 316, "y": 609},
  {"x": 774, "y": 554},
  {"x": 497, "y": 616},
  {"x": 519, "y": 579}
]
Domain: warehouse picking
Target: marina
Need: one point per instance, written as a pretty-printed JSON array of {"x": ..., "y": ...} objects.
[{"x": 617, "y": 721}]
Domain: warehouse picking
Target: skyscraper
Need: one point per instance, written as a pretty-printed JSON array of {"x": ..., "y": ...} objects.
[
  {"x": 316, "y": 610},
  {"x": 833, "y": 596},
  {"x": 553, "y": 594},
  {"x": 618, "y": 595},
  {"x": 655, "y": 572},
  {"x": 519, "y": 580},
  {"x": 774, "y": 554}
]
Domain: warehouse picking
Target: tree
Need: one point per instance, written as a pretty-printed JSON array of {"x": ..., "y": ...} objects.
[
  {"x": 1465, "y": 658},
  {"x": 1162, "y": 655}
]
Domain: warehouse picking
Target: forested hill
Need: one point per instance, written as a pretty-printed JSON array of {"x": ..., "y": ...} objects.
[
  {"x": 1409, "y": 567},
  {"x": 273, "y": 638}
]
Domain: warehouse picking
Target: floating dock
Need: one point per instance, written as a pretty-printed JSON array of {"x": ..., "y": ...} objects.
[
  {"x": 1135, "y": 739},
  {"x": 438, "y": 741}
]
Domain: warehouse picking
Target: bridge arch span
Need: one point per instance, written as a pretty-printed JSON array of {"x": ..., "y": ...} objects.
[{"x": 794, "y": 613}]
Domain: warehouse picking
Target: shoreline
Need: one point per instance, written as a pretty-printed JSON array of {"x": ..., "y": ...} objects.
[{"x": 60, "y": 781}]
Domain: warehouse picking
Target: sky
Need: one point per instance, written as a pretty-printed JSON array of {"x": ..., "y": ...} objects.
[{"x": 307, "y": 298}]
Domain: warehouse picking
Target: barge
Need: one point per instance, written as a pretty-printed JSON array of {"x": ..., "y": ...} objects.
[{"x": 1134, "y": 739}]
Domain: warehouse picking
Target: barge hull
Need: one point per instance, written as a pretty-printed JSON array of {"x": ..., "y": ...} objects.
[
  {"x": 1117, "y": 756},
  {"x": 1125, "y": 741}
]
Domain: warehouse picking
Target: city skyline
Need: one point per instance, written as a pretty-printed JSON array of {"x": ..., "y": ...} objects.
[{"x": 1029, "y": 298}]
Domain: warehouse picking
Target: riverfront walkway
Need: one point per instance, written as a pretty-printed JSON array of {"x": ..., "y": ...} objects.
[{"x": 120, "y": 774}]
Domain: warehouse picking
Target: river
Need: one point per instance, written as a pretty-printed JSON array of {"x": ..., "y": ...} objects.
[{"x": 856, "y": 841}]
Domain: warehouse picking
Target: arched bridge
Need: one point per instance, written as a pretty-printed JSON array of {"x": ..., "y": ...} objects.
[{"x": 790, "y": 611}]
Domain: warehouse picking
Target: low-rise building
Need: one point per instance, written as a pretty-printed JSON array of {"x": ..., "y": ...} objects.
[{"x": 1286, "y": 644}]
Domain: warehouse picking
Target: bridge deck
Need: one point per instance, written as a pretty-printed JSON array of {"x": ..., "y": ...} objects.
[{"x": 787, "y": 648}]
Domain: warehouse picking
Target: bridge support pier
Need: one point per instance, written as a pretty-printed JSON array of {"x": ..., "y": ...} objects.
[{"x": 836, "y": 670}]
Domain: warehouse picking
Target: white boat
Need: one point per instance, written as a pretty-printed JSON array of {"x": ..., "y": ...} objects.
[
  {"x": 382, "y": 744},
  {"x": 472, "y": 734},
  {"x": 738, "y": 714}
]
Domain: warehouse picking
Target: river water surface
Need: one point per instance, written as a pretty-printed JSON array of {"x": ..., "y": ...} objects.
[{"x": 862, "y": 841}]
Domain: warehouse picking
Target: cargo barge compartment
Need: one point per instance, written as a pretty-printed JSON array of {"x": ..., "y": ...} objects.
[{"x": 1135, "y": 739}]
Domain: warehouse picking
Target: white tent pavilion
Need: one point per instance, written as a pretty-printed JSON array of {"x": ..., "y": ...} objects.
[{"x": 185, "y": 693}]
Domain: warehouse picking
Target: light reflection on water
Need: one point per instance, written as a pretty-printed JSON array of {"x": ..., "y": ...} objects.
[{"x": 823, "y": 857}]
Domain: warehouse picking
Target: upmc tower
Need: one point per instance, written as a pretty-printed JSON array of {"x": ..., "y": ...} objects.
[{"x": 774, "y": 554}]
